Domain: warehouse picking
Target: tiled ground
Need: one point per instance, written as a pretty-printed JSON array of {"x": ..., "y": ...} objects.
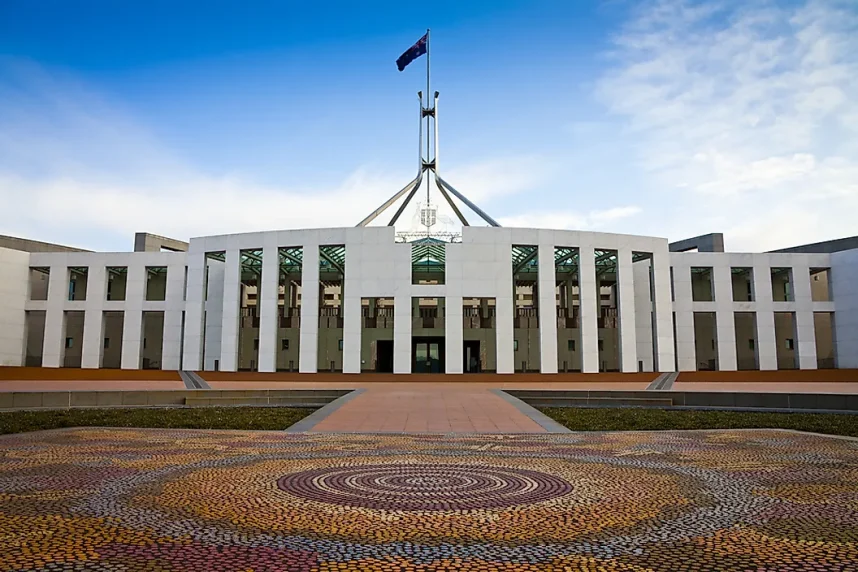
[
  {"x": 769, "y": 387},
  {"x": 159, "y": 500},
  {"x": 425, "y": 407},
  {"x": 87, "y": 385}
]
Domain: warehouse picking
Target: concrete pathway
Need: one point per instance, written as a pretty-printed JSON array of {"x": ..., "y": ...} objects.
[{"x": 432, "y": 408}]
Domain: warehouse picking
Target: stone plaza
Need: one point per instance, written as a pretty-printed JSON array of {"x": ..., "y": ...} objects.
[{"x": 158, "y": 500}]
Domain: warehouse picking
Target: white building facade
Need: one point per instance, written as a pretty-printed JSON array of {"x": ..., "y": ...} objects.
[{"x": 493, "y": 299}]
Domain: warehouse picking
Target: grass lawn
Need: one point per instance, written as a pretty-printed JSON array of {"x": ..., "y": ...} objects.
[
  {"x": 265, "y": 418},
  {"x": 610, "y": 419}
]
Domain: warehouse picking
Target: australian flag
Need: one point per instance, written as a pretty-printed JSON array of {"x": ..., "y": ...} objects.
[{"x": 413, "y": 52}]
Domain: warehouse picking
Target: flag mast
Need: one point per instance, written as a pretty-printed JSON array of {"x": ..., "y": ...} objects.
[
  {"x": 430, "y": 161},
  {"x": 428, "y": 136}
]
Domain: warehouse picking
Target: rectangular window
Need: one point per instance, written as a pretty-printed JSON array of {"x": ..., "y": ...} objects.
[
  {"x": 672, "y": 289},
  {"x": 782, "y": 290},
  {"x": 77, "y": 283},
  {"x": 790, "y": 344},
  {"x": 742, "y": 279},
  {"x": 156, "y": 283},
  {"x": 601, "y": 345},
  {"x": 256, "y": 344},
  {"x": 428, "y": 261},
  {"x": 515, "y": 345},
  {"x": 117, "y": 281},
  {"x": 341, "y": 345},
  {"x": 701, "y": 284},
  {"x": 820, "y": 284},
  {"x": 571, "y": 345},
  {"x": 750, "y": 344},
  {"x": 106, "y": 343},
  {"x": 284, "y": 344},
  {"x": 39, "y": 279},
  {"x": 69, "y": 343}
]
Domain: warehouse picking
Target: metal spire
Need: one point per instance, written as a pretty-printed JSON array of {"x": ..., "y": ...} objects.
[{"x": 428, "y": 161}]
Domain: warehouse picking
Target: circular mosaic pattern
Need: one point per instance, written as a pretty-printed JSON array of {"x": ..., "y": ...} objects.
[{"x": 424, "y": 487}]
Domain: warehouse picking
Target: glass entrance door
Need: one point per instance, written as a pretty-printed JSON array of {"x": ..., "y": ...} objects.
[
  {"x": 421, "y": 357},
  {"x": 427, "y": 357}
]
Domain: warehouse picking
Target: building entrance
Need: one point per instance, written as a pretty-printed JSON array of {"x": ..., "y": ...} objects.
[
  {"x": 384, "y": 356},
  {"x": 471, "y": 356},
  {"x": 428, "y": 355}
]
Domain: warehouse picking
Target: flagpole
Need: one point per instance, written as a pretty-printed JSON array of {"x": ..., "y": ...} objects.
[{"x": 428, "y": 99}]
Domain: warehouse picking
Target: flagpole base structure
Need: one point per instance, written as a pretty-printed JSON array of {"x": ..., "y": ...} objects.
[{"x": 428, "y": 154}]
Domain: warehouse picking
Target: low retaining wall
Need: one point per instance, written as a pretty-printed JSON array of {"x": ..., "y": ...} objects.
[
  {"x": 173, "y": 398},
  {"x": 829, "y": 402},
  {"x": 78, "y": 374},
  {"x": 809, "y": 376}
]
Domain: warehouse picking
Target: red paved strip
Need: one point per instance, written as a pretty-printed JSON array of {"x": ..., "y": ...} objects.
[
  {"x": 457, "y": 408},
  {"x": 769, "y": 387},
  {"x": 87, "y": 385}
]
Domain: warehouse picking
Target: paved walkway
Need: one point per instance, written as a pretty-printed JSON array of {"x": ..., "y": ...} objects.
[
  {"x": 202, "y": 501},
  {"x": 769, "y": 386},
  {"x": 433, "y": 408}
]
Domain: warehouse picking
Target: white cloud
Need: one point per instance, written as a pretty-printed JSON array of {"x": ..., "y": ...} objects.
[
  {"x": 76, "y": 168},
  {"x": 594, "y": 220},
  {"x": 745, "y": 114}
]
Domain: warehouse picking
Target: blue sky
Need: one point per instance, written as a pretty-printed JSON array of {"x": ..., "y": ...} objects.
[{"x": 664, "y": 117}]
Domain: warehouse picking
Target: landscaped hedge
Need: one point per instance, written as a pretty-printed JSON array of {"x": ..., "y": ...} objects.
[
  {"x": 639, "y": 419},
  {"x": 270, "y": 418}
]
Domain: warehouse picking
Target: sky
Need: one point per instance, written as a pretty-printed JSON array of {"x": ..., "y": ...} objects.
[{"x": 669, "y": 118}]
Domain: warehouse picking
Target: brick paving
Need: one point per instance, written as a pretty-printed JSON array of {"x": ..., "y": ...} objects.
[
  {"x": 769, "y": 387},
  {"x": 151, "y": 500},
  {"x": 423, "y": 407},
  {"x": 87, "y": 385}
]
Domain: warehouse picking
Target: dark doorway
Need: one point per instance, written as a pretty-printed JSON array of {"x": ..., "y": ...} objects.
[
  {"x": 428, "y": 355},
  {"x": 384, "y": 356},
  {"x": 471, "y": 356}
]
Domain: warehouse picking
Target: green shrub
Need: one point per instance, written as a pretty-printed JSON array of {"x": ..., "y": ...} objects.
[
  {"x": 639, "y": 419},
  {"x": 258, "y": 418}
]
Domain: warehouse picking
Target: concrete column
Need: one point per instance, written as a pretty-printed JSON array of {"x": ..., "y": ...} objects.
[
  {"x": 58, "y": 293},
  {"x": 14, "y": 293},
  {"x": 626, "y": 311},
  {"x": 132, "y": 329},
  {"x": 767, "y": 351},
  {"x": 589, "y": 300},
  {"x": 454, "y": 333},
  {"x": 844, "y": 291},
  {"x": 505, "y": 333},
  {"x": 683, "y": 306},
  {"x": 268, "y": 299},
  {"x": 402, "y": 331},
  {"x": 725, "y": 322},
  {"x": 309, "y": 351},
  {"x": 351, "y": 333},
  {"x": 643, "y": 314},
  {"x": 665, "y": 355},
  {"x": 213, "y": 315},
  {"x": 352, "y": 309},
  {"x": 93, "y": 324},
  {"x": 192, "y": 353},
  {"x": 547, "y": 309},
  {"x": 505, "y": 311},
  {"x": 805, "y": 330},
  {"x": 231, "y": 313},
  {"x": 173, "y": 304}
]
